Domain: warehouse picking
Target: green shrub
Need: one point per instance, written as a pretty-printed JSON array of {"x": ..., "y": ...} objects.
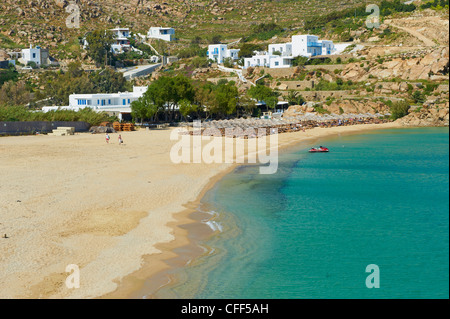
[
  {"x": 399, "y": 109},
  {"x": 22, "y": 113},
  {"x": 8, "y": 75},
  {"x": 418, "y": 96}
]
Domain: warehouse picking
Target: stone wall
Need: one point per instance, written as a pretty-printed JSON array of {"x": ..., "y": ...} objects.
[
  {"x": 321, "y": 96},
  {"x": 295, "y": 85},
  {"x": 274, "y": 72},
  {"x": 327, "y": 67},
  {"x": 32, "y": 127},
  {"x": 216, "y": 80}
]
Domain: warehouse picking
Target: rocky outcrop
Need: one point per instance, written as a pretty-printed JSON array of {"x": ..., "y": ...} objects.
[
  {"x": 340, "y": 107},
  {"x": 419, "y": 68},
  {"x": 101, "y": 129},
  {"x": 4, "y": 56},
  {"x": 435, "y": 115},
  {"x": 295, "y": 110},
  {"x": 356, "y": 107}
]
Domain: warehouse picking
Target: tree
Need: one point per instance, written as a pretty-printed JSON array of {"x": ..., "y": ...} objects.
[
  {"x": 225, "y": 99},
  {"x": 143, "y": 108},
  {"x": 15, "y": 93},
  {"x": 265, "y": 94},
  {"x": 75, "y": 81},
  {"x": 215, "y": 39},
  {"x": 165, "y": 93},
  {"x": 196, "y": 40},
  {"x": 8, "y": 75},
  {"x": 247, "y": 105},
  {"x": 160, "y": 93},
  {"x": 399, "y": 109},
  {"x": 109, "y": 81},
  {"x": 228, "y": 62},
  {"x": 295, "y": 98},
  {"x": 299, "y": 61},
  {"x": 99, "y": 45},
  {"x": 418, "y": 96},
  {"x": 187, "y": 108},
  {"x": 204, "y": 97},
  {"x": 246, "y": 50}
]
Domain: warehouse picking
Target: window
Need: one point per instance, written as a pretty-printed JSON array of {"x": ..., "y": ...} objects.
[
  {"x": 276, "y": 63},
  {"x": 128, "y": 101},
  {"x": 34, "y": 55},
  {"x": 124, "y": 102},
  {"x": 109, "y": 102}
]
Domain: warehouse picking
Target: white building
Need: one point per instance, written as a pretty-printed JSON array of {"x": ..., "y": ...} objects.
[
  {"x": 218, "y": 52},
  {"x": 285, "y": 49},
  {"x": 166, "y": 34},
  {"x": 281, "y": 55},
  {"x": 116, "y": 104},
  {"x": 37, "y": 55},
  {"x": 310, "y": 45},
  {"x": 122, "y": 42},
  {"x": 268, "y": 61}
]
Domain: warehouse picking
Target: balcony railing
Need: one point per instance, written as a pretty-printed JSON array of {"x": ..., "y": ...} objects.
[{"x": 314, "y": 44}]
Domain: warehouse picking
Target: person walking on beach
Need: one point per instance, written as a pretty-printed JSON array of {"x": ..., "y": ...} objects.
[
  {"x": 120, "y": 139},
  {"x": 107, "y": 138}
]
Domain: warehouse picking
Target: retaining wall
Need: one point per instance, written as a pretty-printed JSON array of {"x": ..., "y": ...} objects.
[{"x": 24, "y": 128}]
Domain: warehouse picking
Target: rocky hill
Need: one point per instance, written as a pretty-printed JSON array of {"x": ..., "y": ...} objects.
[
  {"x": 435, "y": 115},
  {"x": 43, "y": 21},
  {"x": 407, "y": 66}
]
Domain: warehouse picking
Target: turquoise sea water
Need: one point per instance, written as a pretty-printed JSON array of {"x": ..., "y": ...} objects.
[{"x": 310, "y": 230}]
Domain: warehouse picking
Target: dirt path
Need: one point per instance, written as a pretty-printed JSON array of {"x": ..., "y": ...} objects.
[{"x": 427, "y": 41}]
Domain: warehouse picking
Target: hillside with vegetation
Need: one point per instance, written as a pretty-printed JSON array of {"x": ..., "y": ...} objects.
[{"x": 404, "y": 60}]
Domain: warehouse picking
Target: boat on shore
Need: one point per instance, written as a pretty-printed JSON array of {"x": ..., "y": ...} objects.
[{"x": 319, "y": 149}]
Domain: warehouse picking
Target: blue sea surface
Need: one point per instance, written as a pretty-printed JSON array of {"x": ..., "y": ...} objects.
[{"x": 311, "y": 229}]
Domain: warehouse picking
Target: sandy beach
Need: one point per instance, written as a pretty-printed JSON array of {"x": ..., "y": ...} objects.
[{"x": 113, "y": 210}]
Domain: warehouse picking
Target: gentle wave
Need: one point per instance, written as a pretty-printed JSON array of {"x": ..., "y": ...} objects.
[{"x": 214, "y": 225}]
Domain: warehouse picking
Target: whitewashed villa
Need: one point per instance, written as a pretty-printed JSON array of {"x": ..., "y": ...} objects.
[
  {"x": 122, "y": 43},
  {"x": 38, "y": 55},
  {"x": 116, "y": 104},
  {"x": 281, "y": 55},
  {"x": 166, "y": 34},
  {"x": 219, "y": 52}
]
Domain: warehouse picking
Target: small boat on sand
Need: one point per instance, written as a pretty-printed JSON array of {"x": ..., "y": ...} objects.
[{"x": 319, "y": 149}]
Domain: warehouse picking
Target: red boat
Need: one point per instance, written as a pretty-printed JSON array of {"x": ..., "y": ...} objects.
[{"x": 319, "y": 149}]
